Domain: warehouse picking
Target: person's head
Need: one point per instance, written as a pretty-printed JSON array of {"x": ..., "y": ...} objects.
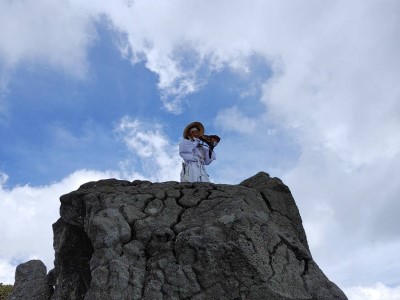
[{"x": 193, "y": 130}]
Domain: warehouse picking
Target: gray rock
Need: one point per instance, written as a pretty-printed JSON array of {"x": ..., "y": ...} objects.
[
  {"x": 31, "y": 282},
  {"x": 142, "y": 240}
]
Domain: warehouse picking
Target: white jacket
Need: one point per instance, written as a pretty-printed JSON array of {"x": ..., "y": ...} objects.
[{"x": 195, "y": 156}]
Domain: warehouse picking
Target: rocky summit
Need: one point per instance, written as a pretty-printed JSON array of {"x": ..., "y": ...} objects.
[{"x": 140, "y": 240}]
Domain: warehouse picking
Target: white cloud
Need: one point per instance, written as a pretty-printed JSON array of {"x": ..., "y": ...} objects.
[
  {"x": 350, "y": 216},
  {"x": 7, "y": 271},
  {"x": 232, "y": 119},
  {"x": 159, "y": 157},
  {"x": 27, "y": 214},
  {"x": 376, "y": 292},
  {"x": 342, "y": 93},
  {"x": 3, "y": 179},
  {"x": 321, "y": 51},
  {"x": 49, "y": 32}
]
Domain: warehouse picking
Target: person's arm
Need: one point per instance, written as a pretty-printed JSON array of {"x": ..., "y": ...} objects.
[
  {"x": 186, "y": 148},
  {"x": 208, "y": 160}
]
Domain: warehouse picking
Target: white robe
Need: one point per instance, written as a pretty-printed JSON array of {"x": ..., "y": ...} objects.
[{"x": 195, "y": 156}]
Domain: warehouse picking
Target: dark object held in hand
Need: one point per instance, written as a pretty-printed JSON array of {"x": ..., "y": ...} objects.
[{"x": 211, "y": 141}]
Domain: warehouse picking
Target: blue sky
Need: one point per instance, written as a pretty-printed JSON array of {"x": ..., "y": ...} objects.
[
  {"x": 306, "y": 91},
  {"x": 56, "y": 124}
]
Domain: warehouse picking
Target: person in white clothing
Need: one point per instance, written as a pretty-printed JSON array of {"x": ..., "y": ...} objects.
[{"x": 195, "y": 154}]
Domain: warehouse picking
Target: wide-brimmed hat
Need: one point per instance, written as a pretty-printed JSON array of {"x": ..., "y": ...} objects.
[{"x": 198, "y": 125}]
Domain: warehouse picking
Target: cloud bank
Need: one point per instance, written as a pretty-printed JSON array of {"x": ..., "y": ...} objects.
[{"x": 27, "y": 214}]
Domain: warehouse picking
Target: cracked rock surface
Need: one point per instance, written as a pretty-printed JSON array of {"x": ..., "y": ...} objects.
[{"x": 141, "y": 240}]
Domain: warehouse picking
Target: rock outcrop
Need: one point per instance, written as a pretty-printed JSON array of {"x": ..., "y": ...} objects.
[
  {"x": 141, "y": 240},
  {"x": 31, "y": 282}
]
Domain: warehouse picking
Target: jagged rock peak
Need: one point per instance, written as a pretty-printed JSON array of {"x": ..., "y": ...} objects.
[{"x": 141, "y": 240}]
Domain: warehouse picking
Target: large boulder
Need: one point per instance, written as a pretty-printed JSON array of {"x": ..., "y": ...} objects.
[
  {"x": 31, "y": 282},
  {"x": 141, "y": 240}
]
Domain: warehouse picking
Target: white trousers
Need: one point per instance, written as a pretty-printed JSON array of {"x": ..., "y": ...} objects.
[{"x": 194, "y": 171}]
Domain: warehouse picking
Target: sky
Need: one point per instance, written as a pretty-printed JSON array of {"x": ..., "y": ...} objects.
[{"x": 307, "y": 91}]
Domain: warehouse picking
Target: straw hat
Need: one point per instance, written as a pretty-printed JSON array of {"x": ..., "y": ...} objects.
[{"x": 198, "y": 125}]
